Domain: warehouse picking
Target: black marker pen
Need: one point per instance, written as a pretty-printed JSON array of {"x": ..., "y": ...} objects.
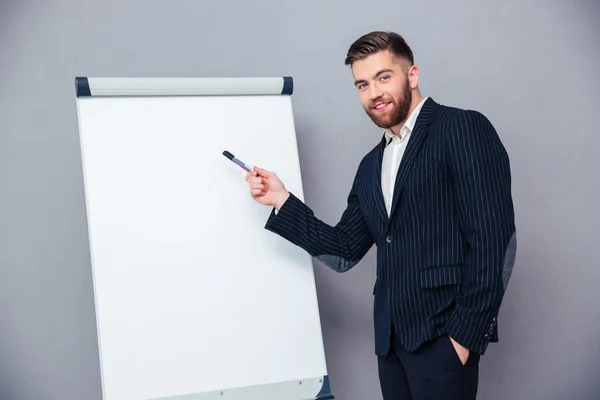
[{"x": 235, "y": 160}]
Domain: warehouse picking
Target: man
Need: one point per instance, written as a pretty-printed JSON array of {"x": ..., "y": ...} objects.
[{"x": 434, "y": 196}]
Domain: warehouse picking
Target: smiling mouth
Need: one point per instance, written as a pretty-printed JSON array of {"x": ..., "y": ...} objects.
[{"x": 381, "y": 106}]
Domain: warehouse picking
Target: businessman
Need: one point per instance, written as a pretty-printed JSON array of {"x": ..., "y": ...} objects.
[{"x": 434, "y": 197}]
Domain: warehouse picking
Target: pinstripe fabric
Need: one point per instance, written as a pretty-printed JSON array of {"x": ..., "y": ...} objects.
[{"x": 446, "y": 251}]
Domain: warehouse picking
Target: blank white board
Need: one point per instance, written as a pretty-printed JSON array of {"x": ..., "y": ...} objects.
[{"x": 194, "y": 298}]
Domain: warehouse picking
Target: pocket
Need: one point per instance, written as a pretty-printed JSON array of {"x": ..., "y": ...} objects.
[
  {"x": 452, "y": 350},
  {"x": 443, "y": 275},
  {"x": 429, "y": 169},
  {"x": 448, "y": 354}
]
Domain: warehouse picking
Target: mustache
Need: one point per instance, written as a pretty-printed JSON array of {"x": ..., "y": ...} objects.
[{"x": 381, "y": 99}]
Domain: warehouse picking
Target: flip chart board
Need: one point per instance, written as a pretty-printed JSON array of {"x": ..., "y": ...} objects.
[{"x": 194, "y": 299}]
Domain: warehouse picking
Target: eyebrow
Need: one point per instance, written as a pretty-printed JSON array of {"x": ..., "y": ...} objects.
[{"x": 356, "y": 82}]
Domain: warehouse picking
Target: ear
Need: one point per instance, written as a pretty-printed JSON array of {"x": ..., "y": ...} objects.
[{"x": 413, "y": 76}]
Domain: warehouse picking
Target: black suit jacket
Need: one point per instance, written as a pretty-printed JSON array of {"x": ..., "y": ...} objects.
[{"x": 445, "y": 253}]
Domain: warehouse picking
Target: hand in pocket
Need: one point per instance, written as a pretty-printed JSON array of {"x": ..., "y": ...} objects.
[{"x": 463, "y": 352}]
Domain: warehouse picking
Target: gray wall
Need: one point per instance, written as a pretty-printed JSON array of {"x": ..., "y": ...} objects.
[{"x": 531, "y": 67}]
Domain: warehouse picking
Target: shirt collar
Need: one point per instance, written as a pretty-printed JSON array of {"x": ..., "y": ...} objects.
[{"x": 408, "y": 125}]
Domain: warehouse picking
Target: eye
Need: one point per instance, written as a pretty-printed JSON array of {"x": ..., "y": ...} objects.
[
  {"x": 385, "y": 77},
  {"x": 362, "y": 86}
]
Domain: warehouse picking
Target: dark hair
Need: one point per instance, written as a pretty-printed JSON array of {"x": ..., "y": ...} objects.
[{"x": 377, "y": 41}]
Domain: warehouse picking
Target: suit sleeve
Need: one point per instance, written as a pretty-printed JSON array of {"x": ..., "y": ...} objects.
[
  {"x": 340, "y": 247},
  {"x": 482, "y": 186}
]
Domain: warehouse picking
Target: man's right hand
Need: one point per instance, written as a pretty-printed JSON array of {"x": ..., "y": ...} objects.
[{"x": 266, "y": 188}]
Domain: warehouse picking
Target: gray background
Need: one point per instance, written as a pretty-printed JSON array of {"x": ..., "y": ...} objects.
[{"x": 531, "y": 67}]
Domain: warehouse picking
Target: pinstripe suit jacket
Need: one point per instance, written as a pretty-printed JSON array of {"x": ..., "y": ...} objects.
[{"x": 446, "y": 251}]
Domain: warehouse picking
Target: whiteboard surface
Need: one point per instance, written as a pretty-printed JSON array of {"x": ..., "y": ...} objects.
[{"x": 192, "y": 293}]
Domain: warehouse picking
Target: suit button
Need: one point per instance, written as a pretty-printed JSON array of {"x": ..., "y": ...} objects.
[
  {"x": 493, "y": 323},
  {"x": 388, "y": 239}
]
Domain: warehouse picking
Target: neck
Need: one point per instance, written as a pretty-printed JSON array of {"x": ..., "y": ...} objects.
[{"x": 417, "y": 98}]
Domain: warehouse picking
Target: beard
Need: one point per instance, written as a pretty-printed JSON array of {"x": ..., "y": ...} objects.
[{"x": 397, "y": 109}]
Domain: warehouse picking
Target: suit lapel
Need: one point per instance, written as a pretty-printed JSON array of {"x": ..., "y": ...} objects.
[
  {"x": 378, "y": 192},
  {"x": 415, "y": 142}
]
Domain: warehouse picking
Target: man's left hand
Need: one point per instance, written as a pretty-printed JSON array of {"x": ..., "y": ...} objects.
[{"x": 463, "y": 352}]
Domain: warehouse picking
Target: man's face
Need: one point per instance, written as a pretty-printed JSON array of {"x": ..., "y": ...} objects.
[{"x": 383, "y": 88}]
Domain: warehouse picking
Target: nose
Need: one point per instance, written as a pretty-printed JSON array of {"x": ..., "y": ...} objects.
[{"x": 374, "y": 91}]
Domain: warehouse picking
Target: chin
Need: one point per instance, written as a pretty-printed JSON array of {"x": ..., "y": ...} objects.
[
  {"x": 382, "y": 124},
  {"x": 382, "y": 121}
]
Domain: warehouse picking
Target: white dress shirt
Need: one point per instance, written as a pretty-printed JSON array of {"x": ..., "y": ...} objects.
[{"x": 392, "y": 155}]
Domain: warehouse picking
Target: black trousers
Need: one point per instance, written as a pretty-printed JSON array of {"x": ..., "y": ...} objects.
[{"x": 433, "y": 372}]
